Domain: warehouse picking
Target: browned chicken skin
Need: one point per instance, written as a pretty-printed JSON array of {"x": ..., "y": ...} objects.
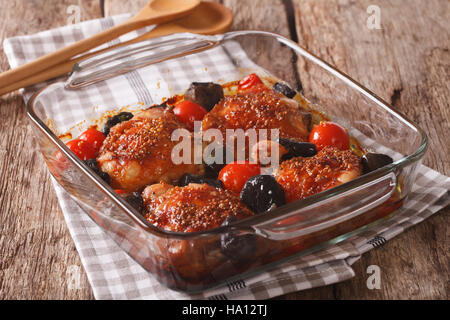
[
  {"x": 304, "y": 177},
  {"x": 137, "y": 152},
  {"x": 195, "y": 207},
  {"x": 262, "y": 108}
]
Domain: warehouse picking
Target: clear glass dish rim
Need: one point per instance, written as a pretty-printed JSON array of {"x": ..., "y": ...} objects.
[{"x": 273, "y": 215}]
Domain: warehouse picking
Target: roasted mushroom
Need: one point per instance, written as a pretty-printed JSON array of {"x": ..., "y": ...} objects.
[
  {"x": 189, "y": 178},
  {"x": 284, "y": 89},
  {"x": 237, "y": 247},
  {"x": 92, "y": 163},
  {"x": 136, "y": 201},
  {"x": 372, "y": 161},
  {"x": 262, "y": 193},
  {"x": 112, "y": 121},
  {"x": 297, "y": 149},
  {"x": 206, "y": 94}
]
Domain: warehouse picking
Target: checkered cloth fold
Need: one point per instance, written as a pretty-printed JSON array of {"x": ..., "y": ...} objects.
[{"x": 114, "y": 275}]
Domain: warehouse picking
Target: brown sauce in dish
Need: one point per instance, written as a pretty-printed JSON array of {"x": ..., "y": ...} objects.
[{"x": 65, "y": 136}]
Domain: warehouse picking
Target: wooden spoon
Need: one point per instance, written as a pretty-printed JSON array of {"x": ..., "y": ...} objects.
[
  {"x": 207, "y": 18},
  {"x": 155, "y": 12}
]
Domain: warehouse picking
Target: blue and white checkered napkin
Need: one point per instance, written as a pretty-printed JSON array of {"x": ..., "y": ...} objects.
[{"x": 114, "y": 275}]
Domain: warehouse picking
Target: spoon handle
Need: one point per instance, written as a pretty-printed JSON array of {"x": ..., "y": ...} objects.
[
  {"x": 68, "y": 52},
  {"x": 156, "y": 12},
  {"x": 66, "y": 66}
]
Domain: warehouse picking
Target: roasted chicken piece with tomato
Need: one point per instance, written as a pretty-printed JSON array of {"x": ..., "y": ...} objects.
[
  {"x": 303, "y": 177},
  {"x": 260, "y": 108},
  {"x": 194, "y": 207},
  {"x": 137, "y": 152}
]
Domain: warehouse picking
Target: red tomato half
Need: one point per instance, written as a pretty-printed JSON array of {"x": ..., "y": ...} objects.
[
  {"x": 188, "y": 112},
  {"x": 249, "y": 81},
  {"x": 84, "y": 150},
  {"x": 94, "y": 137},
  {"x": 329, "y": 134},
  {"x": 235, "y": 175}
]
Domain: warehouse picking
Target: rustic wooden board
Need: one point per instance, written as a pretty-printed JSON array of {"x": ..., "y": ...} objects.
[
  {"x": 38, "y": 256},
  {"x": 406, "y": 63}
]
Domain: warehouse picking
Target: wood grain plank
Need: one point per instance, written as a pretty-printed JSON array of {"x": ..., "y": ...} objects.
[
  {"x": 266, "y": 15},
  {"x": 114, "y": 7},
  {"x": 38, "y": 254},
  {"x": 406, "y": 63},
  {"x": 263, "y": 15},
  {"x": 371, "y": 59}
]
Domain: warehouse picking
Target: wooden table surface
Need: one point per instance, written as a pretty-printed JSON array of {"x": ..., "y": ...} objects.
[{"x": 406, "y": 62}]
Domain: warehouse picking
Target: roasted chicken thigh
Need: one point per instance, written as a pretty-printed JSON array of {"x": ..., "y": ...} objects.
[
  {"x": 194, "y": 207},
  {"x": 303, "y": 177},
  {"x": 137, "y": 152},
  {"x": 261, "y": 108}
]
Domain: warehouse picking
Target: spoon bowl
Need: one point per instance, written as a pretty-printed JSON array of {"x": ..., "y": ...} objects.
[
  {"x": 162, "y": 5},
  {"x": 207, "y": 18}
]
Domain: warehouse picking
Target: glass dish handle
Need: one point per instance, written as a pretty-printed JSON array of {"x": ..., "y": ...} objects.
[
  {"x": 113, "y": 62},
  {"x": 330, "y": 212}
]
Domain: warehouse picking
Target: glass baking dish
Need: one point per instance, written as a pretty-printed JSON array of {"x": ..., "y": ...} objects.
[{"x": 143, "y": 74}]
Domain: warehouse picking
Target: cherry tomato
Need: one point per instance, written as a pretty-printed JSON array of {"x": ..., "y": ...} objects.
[
  {"x": 249, "y": 81},
  {"x": 188, "y": 112},
  {"x": 84, "y": 150},
  {"x": 329, "y": 134},
  {"x": 94, "y": 137},
  {"x": 235, "y": 175}
]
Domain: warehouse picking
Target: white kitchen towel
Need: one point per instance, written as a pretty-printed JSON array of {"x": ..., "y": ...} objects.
[{"x": 114, "y": 275}]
